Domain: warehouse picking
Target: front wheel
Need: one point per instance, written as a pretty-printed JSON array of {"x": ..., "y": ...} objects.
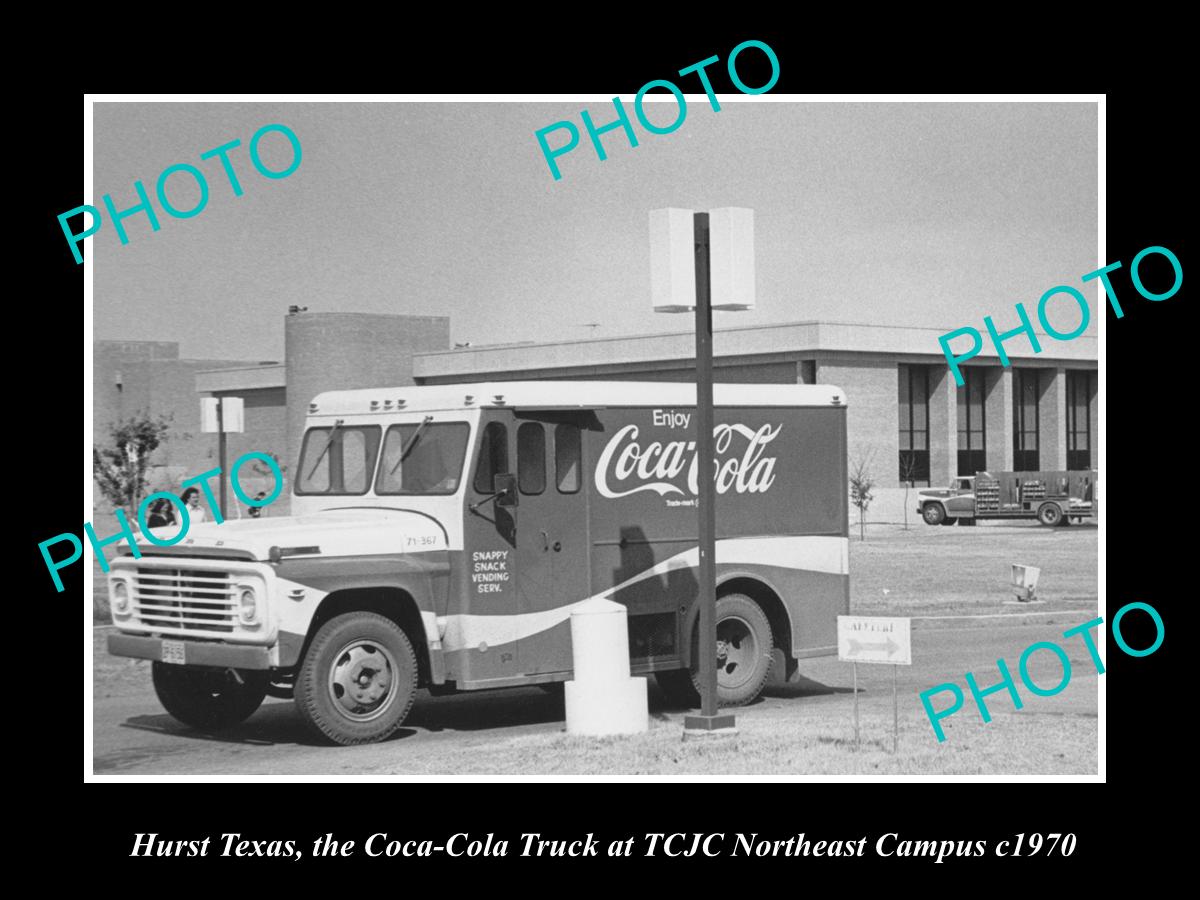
[
  {"x": 208, "y": 699},
  {"x": 358, "y": 680},
  {"x": 933, "y": 513}
]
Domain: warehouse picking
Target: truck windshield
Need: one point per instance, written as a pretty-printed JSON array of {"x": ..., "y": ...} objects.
[
  {"x": 338, "y": 459},
  {"x": 422, "y": 458}
]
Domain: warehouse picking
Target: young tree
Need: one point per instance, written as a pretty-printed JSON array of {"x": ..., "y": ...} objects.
[
  {"x": 121, "y": 469},
  {"x": 861, "y": 483}
]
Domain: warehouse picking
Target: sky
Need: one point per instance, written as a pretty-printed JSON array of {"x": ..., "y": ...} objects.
[{"x": 933, "y": 214}]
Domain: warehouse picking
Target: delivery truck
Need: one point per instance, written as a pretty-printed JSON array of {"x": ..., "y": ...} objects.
[
  {"x": 1053, "y": 498},
  {"x": 440, "y": 536}
]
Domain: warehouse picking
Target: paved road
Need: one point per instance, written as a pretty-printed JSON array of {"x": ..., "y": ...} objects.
[{"x": 133, "y": 736}]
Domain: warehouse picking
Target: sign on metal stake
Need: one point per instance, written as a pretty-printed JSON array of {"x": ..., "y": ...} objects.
[{"x": 876, "y": 640}]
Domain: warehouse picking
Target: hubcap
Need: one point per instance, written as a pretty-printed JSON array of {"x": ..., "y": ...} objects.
[
  {"x": 737, "y": 652},
  {"x": 362, "y": 679}
]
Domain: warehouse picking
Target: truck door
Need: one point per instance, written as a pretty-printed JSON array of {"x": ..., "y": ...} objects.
[{"x": 551, "y": 542}]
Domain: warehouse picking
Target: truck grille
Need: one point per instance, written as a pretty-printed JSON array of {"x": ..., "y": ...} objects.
[{"x": 189, "y": 600}]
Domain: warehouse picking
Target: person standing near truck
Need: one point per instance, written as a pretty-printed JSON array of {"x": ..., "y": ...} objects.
[{"x": 196, "y": 512}]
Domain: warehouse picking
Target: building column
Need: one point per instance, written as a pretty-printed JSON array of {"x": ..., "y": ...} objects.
[
  {"x": 998, "y": 414},
  {"x": 943, "y": 426},
  {"x": 1052, "y": 419}
]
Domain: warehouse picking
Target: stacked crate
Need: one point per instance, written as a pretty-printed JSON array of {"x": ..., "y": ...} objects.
[{"x": 987, "y": 495}]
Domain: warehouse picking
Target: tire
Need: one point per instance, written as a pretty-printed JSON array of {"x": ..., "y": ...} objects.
[
  {"x": 208, "y": 699},
  {"x": 358, "y": 680},
  {"x": 949, "y": 520},
  {"x": 1050, "y": 514},
  {"x": 745, "y": 634},
  {"x": 933, "y": 513}
]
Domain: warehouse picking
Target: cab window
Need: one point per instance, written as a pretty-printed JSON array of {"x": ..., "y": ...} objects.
[
  {"x": 566, "y": 458},
  {"x": 531, "y": 458},
  {"x": 338, "y": 459},
  {"x": 422, "y": 458},
  {"x": 493, "y": 457}
]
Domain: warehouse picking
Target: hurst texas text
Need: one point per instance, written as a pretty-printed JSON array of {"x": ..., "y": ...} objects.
[{"x": 658, "y": 844}]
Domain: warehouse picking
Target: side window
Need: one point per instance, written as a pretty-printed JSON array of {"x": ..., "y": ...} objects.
[
  {"x": 531, "y": 458},
  {"x": 566, "y": 458},
  {"x": 493, "y": 457}
]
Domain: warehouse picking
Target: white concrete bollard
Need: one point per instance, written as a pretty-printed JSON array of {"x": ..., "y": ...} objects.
[{"x": 603, "y": 699}]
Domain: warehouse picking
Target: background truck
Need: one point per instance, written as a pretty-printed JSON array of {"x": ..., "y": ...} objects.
[
  {"x": 1053, "y": 498},
  {"x": 442, "y": 535}
]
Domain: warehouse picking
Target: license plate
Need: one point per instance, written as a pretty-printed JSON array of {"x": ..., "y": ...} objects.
[{"x": 173, "y": 652}]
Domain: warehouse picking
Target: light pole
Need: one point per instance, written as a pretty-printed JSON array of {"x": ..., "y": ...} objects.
[{"x": 704, "y": 261}]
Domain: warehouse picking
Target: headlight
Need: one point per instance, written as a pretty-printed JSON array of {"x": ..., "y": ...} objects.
[
  {"x": 120, "y": 596},
  {"x": 248, "y": 606}
]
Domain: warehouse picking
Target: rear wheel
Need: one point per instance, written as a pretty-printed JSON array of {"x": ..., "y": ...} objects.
[
  {"x": 933, "y": 513},
  {"x": 1049, "y": 514},
  {"x": 358, "y": 680},
  {"x": 744, "y": 647},
  {"x": 208, "y": 699}
]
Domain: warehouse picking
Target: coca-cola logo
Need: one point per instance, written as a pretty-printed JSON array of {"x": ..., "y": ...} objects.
[{"x": 626, "y": 466}]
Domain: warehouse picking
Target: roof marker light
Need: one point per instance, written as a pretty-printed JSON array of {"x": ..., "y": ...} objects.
[
  {"x": 312, "y": 407},
  {"x": 374, "y": 405},
  {"x": 470, "y": 398},
  {"x": 400, "y": 403},
  {"x": 500, "y": 399}
]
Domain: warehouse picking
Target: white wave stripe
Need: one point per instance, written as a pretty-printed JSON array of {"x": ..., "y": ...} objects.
[{"x": 813, "y": 554}]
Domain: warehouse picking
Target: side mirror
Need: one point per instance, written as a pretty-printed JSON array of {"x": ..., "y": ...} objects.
[{"x": 506, "y": 488}]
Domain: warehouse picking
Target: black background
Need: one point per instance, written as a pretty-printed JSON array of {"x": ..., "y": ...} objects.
[{"x": 1146, "y": 409}]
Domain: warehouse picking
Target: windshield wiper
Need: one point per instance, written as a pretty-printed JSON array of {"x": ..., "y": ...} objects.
[
  {"x": 408, "y": 445},
  {"x": 329, "y": 443}
]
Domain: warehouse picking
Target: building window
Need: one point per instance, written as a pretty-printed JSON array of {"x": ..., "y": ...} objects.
[
  {"x": 808, "y": 371},
  {"x": 972, "y": 438},
  {"x": 914, "y": 424},
  {"x": 1025, "y": 420},
  {"x": 1079, "y": 420}
]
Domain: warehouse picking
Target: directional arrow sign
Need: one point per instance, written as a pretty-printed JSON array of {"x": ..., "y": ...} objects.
[{"x": 874, "y": 639}]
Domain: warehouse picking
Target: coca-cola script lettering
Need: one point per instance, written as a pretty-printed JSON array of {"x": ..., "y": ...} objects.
[{"x": 626, "y": 467}]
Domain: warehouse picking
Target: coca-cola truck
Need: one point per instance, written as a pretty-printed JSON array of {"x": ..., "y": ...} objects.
[{"x": 441, "y": 535}]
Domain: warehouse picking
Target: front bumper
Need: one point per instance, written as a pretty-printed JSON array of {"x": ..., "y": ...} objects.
[{"x": 196, "y": 653}]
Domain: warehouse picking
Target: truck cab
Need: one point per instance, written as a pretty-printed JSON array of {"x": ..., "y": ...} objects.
[{"x": 945, "y": 506}]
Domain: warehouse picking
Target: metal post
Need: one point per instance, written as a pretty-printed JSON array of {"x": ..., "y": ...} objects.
[
  {"x": 221, "y": 449},
  {"x": 895, "y": 715},
  {"x": 855, "y": 667},
  {"x": 708, "y": 720}
]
